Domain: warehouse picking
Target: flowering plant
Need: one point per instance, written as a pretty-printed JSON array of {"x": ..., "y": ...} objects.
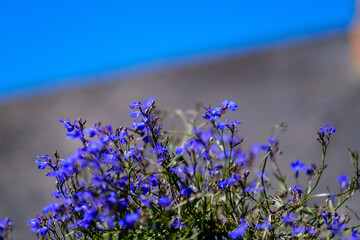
[{"x": 144, "y": 182}]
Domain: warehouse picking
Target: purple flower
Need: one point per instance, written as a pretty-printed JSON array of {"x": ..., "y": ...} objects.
[
  {"x": 326, "y": 131},
  {"x": 221, "y": 125},
  {"x": 310, "y": 169},
  {"x": 43, "y": 165},
  {"x": 222, "y": 184},
  {"x": 298, "y": 230},
  {"x": 145, "y": 202},
  {"x": 74, "y": 135},
  {"x": 177, "y": 171},
  {"x": 252, "y": 188},
  {"x": 52, "y": 207},
  {"x": 179, "y": 150},
  {"x": 231, "y": 181},
  {"x": 343, "y": 180},
  {"x": 68, "y": 125},
  {"x": 36, "y": 225},
  {"x": 164, "y": 201},
  {"x": 91, "y": 131},
  {"x": 160, "y": 149},
  {"x": 238, "y": 232},
  {"x": 297, "y": 188},
  {"x": 186, "y": 191},
  {"x": 177, "y": 223},
  {"x": 260, "y": 174},
  {"x": 229, "y": 105},
  {"x": 354, "y": 235},
  {"x": 264, "y": 225},
  {"x": 5, "y": 225},
  {"x": 288, "y": 218},
  {"x": 255, "y": 149},
  {"x": 131, "y": 219},
  {"x": 297, "y": 166},
  {"x": 212, "y": 114},
  {"x": 311, "y": 231},
  {"x": 145, "y": 189},
  {"x": 135, "y": 114},
  {"x": 153, "y": 180}
]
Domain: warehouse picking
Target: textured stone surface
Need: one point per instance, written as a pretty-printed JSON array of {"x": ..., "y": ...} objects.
[{"x": 305, "y": 85}]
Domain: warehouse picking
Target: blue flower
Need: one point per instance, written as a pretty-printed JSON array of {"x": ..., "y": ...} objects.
[
  {"x": 265, "y": 225},
  {"x": 177, "y": 223},
  {"x": 288, "y": 218},
  {"x": 298, "y": 166},
  {"x": 326, "y": 131},
  {"x": 144, "y": 189},
  {"x": 186, "y": 191},
  {"x": 231, "y": 181},
  {"x": 255, "y": 149},
  {"x": 68, "y": 125},
  {"x": 43, "y": 165},
  {"x": 260, "y": 174},
  {"x": 298, "y": 230},
  {"x": 135, "y": 114},
  {"x": 145, "y": 202},
  {"x": 297, "y": 188},
  {"x": 343, "y": 180},
  {"x": 354, "y": 235},
  {"x": 311, "y": 231},
  {"x": 234, "y": 123},
  {"x": 131, "y": 219},
  {"x": 221, "y": 125},
  {"x": 212, "y": 114},
  {"x": 238, "y": 232},
  {"x": 5, "y": 225},
  {"x": 36, "y": 224},
  {"x": 164, "y": 201},
  {"x": 252, "y": 188},
  {"x": 179, "y": 150},
  {"x": 152, "y": 179},
  {"x": 310, "y": 169},
  {"x": 229, "y": 105},
  {"x": 160, "y": 149},
  {"x": 222, "y": 184},
  {"x": 74, "y": 135}
]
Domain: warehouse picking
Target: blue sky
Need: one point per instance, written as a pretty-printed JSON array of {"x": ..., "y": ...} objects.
[{"x": 47, "y": 42}]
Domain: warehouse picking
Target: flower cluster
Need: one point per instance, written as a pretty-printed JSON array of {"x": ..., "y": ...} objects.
[
  {"x": 5, "y": 227},
  {"x": 144, "y": 182}
]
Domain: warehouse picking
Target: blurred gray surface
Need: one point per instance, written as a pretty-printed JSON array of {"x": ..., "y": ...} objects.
[{"x": 304, "y": 85}]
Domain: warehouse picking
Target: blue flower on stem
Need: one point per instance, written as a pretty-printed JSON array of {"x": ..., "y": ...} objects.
[
  {"x": 222, "y": 184},
  {"x": 288, "y": 218},
  {"x": 239, "y": 231},
  {"x": 229, "y": 105},
  {"x": 326, "y": 131},
  {"x": 186, "y": 191},
  {"x": 212, "y": 114},
  {"x": 265, "y": 225},
  {"x": 164, "y": 201},
  {"x": 177, "y": 223},
  {"x": 43, "y": 165},
  {"x": 297, "y": 230},
  {"x": 5, "y": 225},
  {"x": 129, "y": 220},
  {"x": 298, "y": 166},
  {"x": 297, "y": 189},
  {"x": 252, "y": 188},
  {"x": 343, "y": 180},
  {"x": 68, "y": 125}
]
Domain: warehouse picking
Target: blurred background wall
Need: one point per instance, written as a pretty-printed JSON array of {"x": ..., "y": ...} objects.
[{"x": 295, "y": 62}]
